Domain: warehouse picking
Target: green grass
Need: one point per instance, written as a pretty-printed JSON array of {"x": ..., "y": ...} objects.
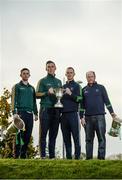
[{"x": 60, "y": 169}]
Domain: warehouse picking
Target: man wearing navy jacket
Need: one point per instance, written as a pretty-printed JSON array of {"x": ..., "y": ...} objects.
[
  {"x": 93, "y": 119},
  {"x": 70, "y": 123}
]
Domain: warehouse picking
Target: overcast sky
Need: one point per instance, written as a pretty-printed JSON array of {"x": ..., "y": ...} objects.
[{"x": 85, "y": 34}]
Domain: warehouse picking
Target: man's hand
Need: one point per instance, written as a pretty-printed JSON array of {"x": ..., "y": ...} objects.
[
  {"x": 68, "y": 91},
  {"x": 51, "y": 91},
  {"x": 113, "y": 115},
  {"x": 15, "y": 116},
  {"x": 35, "y": 117},
  {"x": 116, "y": 118},
  {"x": 83, "y": 122}
]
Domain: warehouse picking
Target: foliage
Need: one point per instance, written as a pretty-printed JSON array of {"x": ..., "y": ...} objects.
[{"x": 5, "y": 108}]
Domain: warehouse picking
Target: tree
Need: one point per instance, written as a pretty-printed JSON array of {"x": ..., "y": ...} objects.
[{"x": 5, "y": 109}]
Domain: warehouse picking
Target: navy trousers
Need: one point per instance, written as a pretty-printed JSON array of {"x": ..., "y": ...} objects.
[
  {"x": 21, "y": 150},
  {"x": 95, "y": 124},
  {"x": 49, "y": 121},
  {"x": 70, "y": 126}
]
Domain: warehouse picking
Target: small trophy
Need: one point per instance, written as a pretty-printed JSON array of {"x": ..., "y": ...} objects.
[
  {"x": 115, "y": 130},
  {"x": 59, "y": 94},
  {"x": 17, "y": 123}
]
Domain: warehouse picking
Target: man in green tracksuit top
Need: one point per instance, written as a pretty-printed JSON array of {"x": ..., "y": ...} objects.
[
  {"x": 24, "y": 104},
  {"x": 49, "y": 116}
]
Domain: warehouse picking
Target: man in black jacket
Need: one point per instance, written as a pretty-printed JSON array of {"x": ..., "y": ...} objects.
[
  {"x": 70, "y": 123},
  {"x": 94, "y": 100}
]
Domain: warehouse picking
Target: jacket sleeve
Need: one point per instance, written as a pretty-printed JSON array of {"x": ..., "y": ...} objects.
[
  {"x": 34, "y": 104},
  {"x": 106, "y": 100},
  {"x": 40, "y": 90},
  {"x": 60, "y": 83},
  {"x": 14, "y": 97},
  {"x": 77, "y": 95},
  {"x": 81, "y": 103}
]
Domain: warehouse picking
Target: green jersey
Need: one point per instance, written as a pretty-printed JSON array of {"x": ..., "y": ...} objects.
[
  {"x": 24, "y": 98},
  {"x": 42, "y": 90}
]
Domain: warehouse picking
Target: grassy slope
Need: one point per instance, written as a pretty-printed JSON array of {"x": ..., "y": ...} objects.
[{"x": 60, "y": 169}]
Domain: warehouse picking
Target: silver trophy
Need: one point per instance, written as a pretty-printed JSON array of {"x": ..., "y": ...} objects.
[
  {"x": 59, "y": 94},
  {"x": 115, "y": 130},
  {"x": 17, "y": 123}
]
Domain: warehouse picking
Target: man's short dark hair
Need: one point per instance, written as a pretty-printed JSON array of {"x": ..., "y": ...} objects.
[
  {"x": 92, "y": 72},
  {"x": 48, "y": 62},
  {"x": 71, "y": 68},
  {"x": 24, "y": 69}
]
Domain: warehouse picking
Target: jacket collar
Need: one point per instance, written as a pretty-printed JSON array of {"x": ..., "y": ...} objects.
[
  {"x": 51, "y": 76},
  {"x": 21, "y": 82},
  {"x": 70, "y": 82},
  {"x": 94, "y": 84}
]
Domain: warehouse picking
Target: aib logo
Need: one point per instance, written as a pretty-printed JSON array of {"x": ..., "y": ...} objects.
[
  {"x": 97, "y": 90},
  {"x": 86, "y": 91}
]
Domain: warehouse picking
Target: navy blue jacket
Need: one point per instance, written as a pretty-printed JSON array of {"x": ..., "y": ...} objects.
[
  {"x": 95, "y": 98},
  {"x": 71, "y": 102}
]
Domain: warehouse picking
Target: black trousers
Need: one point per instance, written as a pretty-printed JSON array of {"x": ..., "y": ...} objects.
[
  {"x": 49, "y": 121},
  {"x": 21, "y": 150},
  {"x": 95, "y": 124},
  {"x": 70, "y": 125}
]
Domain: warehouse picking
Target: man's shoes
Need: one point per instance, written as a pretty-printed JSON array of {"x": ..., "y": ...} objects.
[
  {"x": 23, "y": 156},
  {"x": 52, "y": 158},
  {"x": 43, "y": 158},
  {"x": 89, "y": 158},
  {"x": 101, "y": 158}
]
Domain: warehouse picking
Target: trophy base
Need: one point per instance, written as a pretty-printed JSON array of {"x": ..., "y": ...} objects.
[
  {"x": 113, "y": 134},
  {"x": 58, "y": 105}
]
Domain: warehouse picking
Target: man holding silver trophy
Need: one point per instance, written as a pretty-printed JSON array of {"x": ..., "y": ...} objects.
[
  {"x": 23, "y": 107},
  {"x": 70, "y": 120},
  {"x": 93, "y": 118},
  {"x": 49, "y": 112}
]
